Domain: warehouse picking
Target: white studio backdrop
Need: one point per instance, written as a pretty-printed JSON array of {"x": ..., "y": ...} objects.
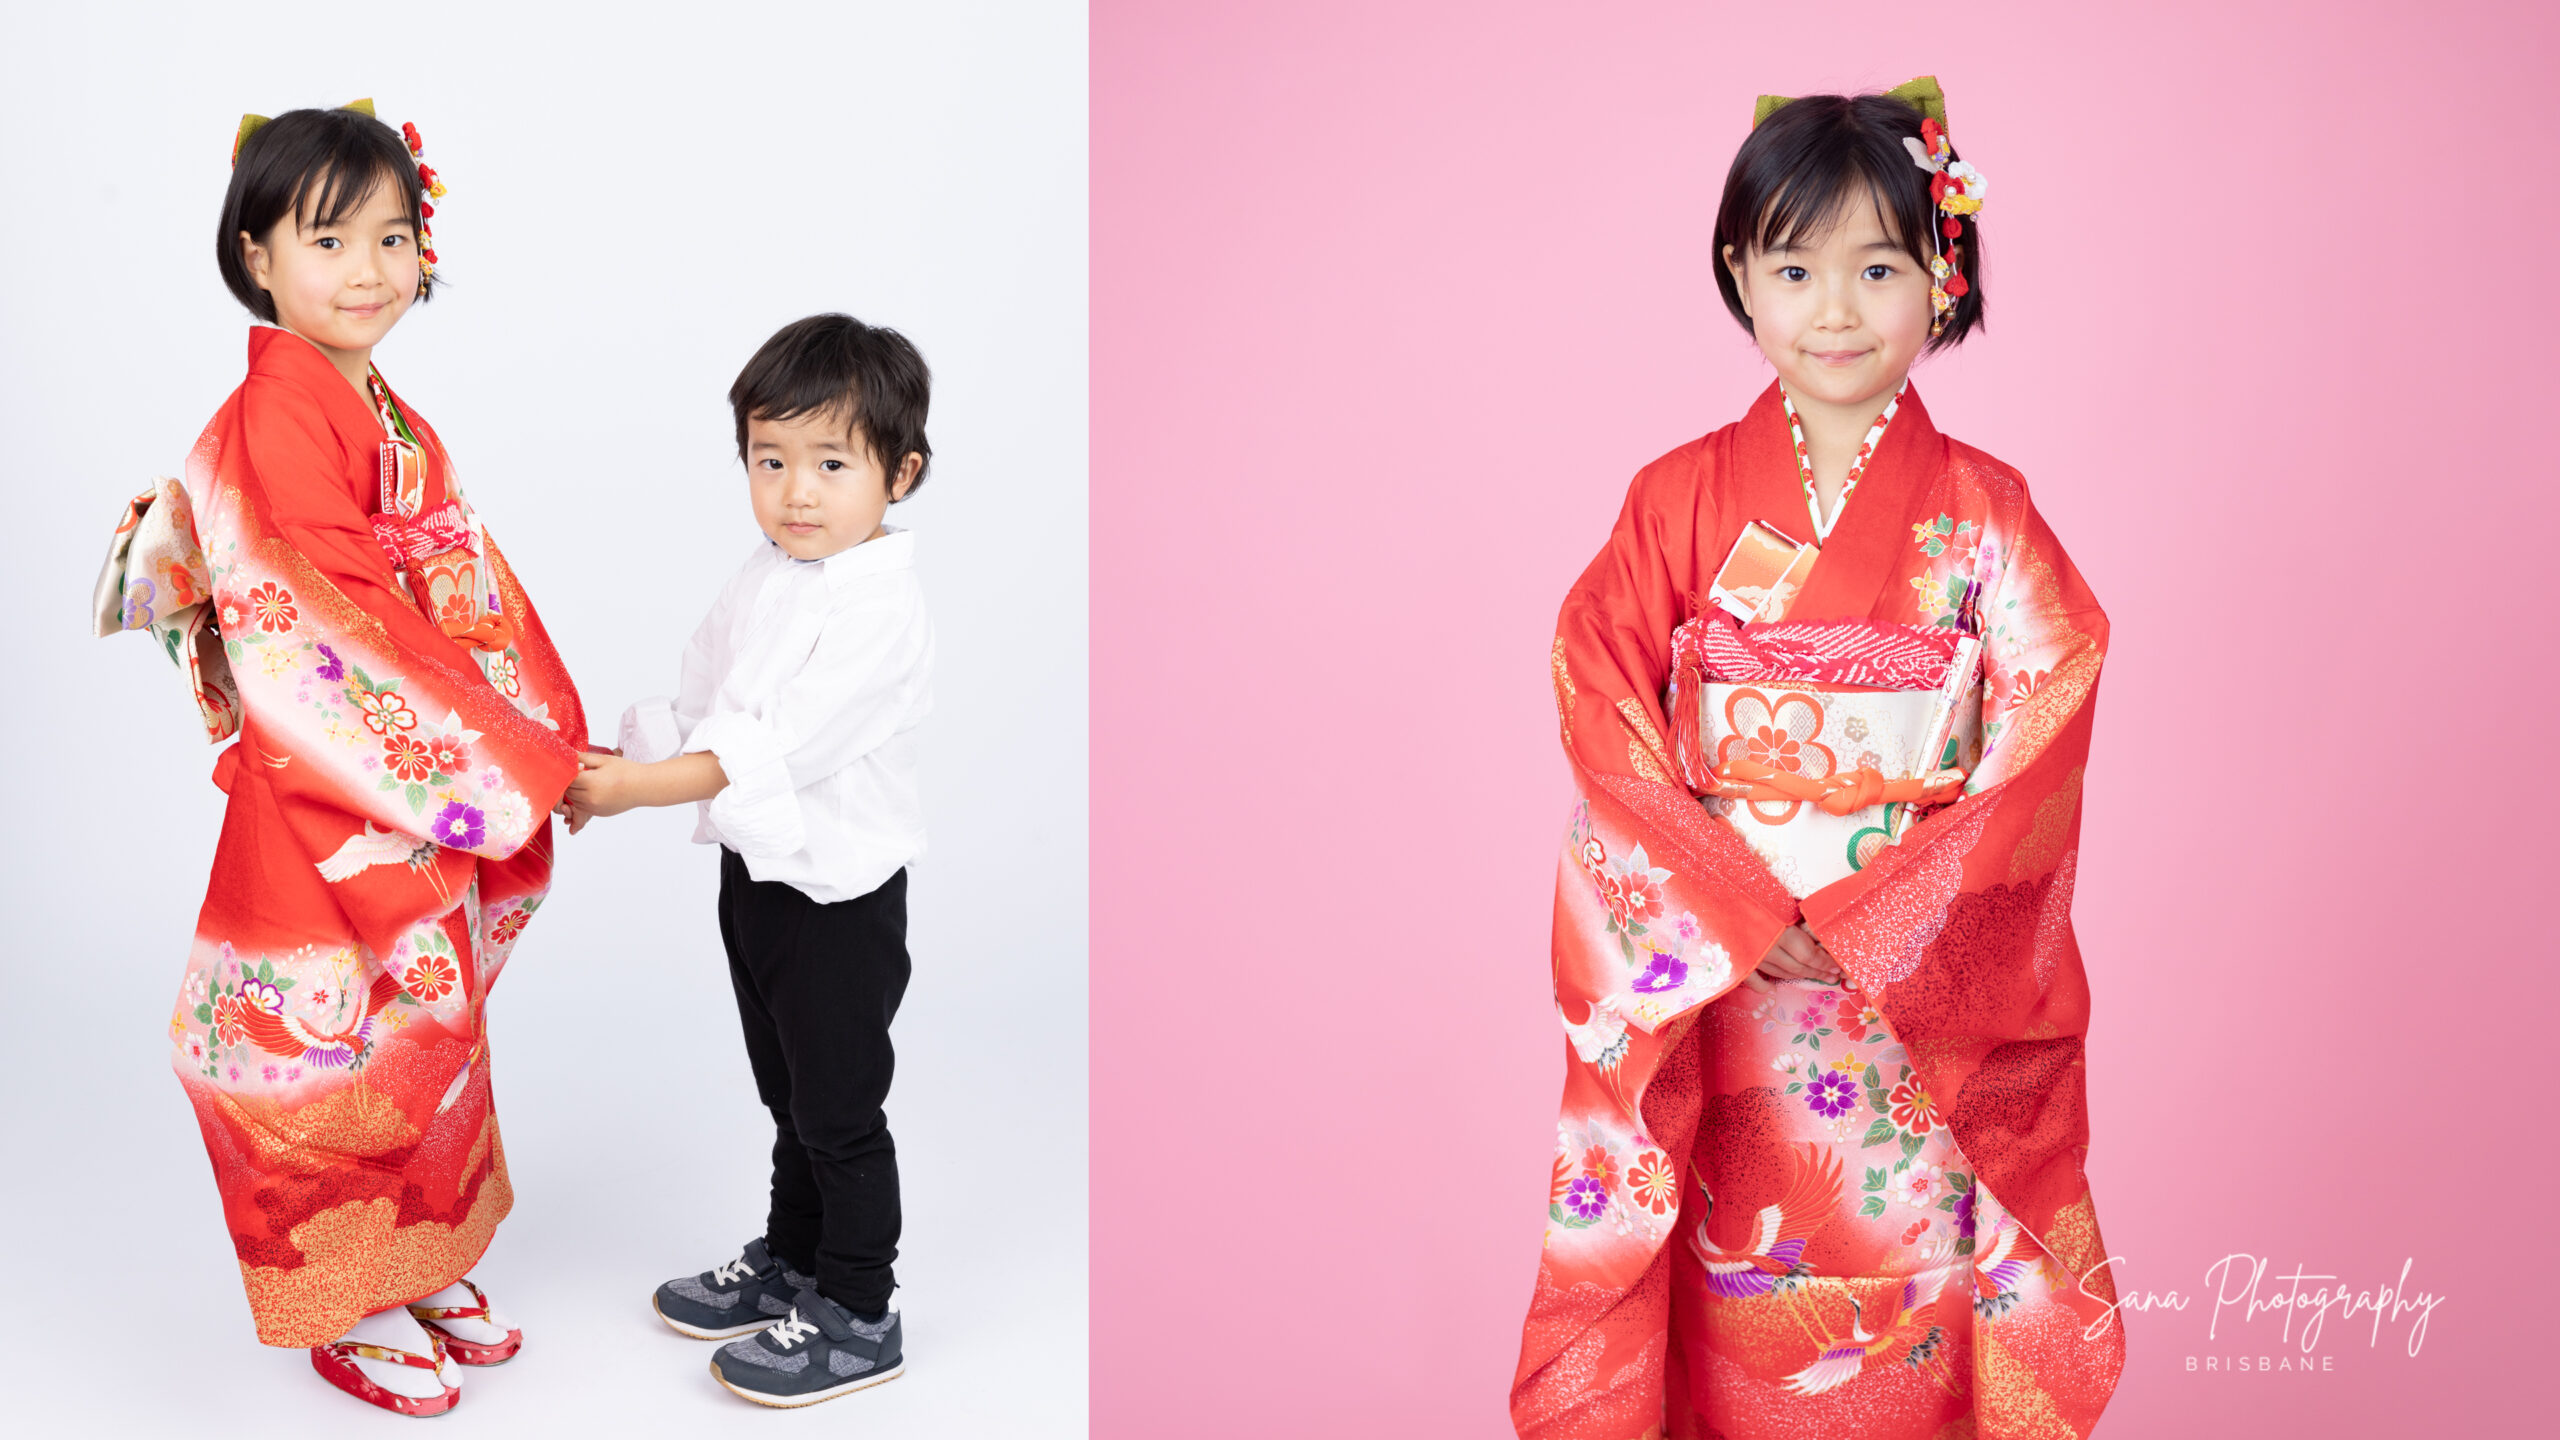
[{"x": 639, "y": 196}]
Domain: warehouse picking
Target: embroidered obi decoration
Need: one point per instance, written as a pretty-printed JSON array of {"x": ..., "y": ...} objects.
[{"x": 438, "y": 553}]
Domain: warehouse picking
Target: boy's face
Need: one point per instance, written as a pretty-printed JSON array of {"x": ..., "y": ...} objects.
[
  {"x": 342, "y": 286},
  {"x": 817, "y": 487},
  {"x": 1840, "y": 315}
]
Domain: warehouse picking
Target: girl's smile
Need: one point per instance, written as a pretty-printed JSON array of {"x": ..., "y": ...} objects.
[{"x": 313, "y": 271}]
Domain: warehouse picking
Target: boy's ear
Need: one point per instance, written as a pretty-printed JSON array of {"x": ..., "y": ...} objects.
[{"x": 908, "y": 469}]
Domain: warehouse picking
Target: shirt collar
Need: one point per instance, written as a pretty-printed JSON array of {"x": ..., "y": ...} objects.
[{"x": 893, "y": 550}]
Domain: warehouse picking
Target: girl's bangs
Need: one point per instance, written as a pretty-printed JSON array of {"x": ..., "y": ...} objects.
[{"x": 1810, "y": 202}]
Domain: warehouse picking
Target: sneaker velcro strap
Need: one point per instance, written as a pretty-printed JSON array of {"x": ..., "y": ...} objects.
[
  {"x": 827, "y": 1315},
  {"x": 757, "y": 1257}
]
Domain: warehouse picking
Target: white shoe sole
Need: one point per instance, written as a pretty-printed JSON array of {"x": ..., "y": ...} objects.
[
  {"x": 698, "y": 1333},
  {"x": 794, "y": 1402}
]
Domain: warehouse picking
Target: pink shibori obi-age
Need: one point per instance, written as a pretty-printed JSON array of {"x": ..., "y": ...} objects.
[
  {"x": 1823, "y": 1210},
  {"x": 405, "y": 726}
]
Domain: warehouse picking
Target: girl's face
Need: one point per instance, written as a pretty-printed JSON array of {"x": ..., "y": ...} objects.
[
  {"x": 817, "y": 487},
  {"x": 341, "y": 287},
  {"x": 1840, "y": 315}
]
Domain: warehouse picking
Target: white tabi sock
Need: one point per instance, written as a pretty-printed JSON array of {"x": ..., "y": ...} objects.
[
  {"x": 396, "y": 1329},
  {"x": 491, "y": 1331}
]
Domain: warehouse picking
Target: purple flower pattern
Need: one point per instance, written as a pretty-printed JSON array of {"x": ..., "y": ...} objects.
[
  {"x": 1666, "y": 972},
  {"x": 460, "y": 826},
  {"x": 1830, "y": 1095}
]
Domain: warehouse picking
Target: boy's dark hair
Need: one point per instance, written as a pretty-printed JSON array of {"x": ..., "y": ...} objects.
[
  {"x": 320, "y": 164},
  {"x": 1814, "y": 157},
  {"x": 836, "y": 363}
]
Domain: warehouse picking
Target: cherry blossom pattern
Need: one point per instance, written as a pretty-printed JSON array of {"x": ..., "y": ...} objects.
[
  {"x": 1654, "y": 1183},
  {"x": 406, "y": 758},
  {"x": 273, "y": 608},
  {"x": 451, "y": 755},
  {"x": 509, "y": 925},
  {"x": 1918, "y": 1186},
  {"x": 383, "y": 710},
  {"x": 1912, "y": 1109},
  {"x": 227, "y": 1026},
  {"x": 431, "y": 977}
]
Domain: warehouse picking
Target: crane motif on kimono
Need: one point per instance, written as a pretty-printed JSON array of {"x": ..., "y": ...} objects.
[
  {"x": 1910, "y": 1334},
  {"x": 259, "y": 1012},
  {"x": 376, "y": 847},
  {"x": 1774, "y": 1260},
  {"x": 2000, "y": 1269}
]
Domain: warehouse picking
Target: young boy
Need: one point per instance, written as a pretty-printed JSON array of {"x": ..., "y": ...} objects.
[{"x": 794, "y": 730}]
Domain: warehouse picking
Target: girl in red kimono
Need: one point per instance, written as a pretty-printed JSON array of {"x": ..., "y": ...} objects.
[
  {"x": 1827, "y": 695},
  {"x": 405, "y": 727}
]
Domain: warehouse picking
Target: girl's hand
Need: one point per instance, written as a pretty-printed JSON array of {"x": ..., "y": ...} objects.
[{"x": 1794, "y": 955}]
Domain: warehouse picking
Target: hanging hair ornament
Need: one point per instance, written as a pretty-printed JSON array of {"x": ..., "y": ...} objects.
[
  {"x": 426, "y": 207},
  {"x": 1958, "y": 189}
]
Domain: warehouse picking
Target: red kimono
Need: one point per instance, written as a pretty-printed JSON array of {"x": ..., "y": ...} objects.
[
  {"x": 1854, "y": 1210},
  {"x": 405, "y": 728}
]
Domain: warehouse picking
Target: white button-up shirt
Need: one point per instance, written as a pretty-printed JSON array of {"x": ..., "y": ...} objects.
[{"x": 807, "y": 679}]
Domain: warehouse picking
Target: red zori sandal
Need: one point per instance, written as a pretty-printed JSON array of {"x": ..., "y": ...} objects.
[
  {"x": 337, "y": 1365},
  {"x": 468, "y": 1352}
]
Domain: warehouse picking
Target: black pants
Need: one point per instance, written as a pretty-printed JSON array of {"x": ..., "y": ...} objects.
[{"x": 817, "y": 986}]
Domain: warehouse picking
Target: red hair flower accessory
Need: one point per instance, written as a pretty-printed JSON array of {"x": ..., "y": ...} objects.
[
  {"x": 426, "y": 208},
  {"x": 1958, "y": 189}
]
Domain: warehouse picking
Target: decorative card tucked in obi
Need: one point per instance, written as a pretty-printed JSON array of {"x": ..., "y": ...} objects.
[{"x": 1761, "y": 573}]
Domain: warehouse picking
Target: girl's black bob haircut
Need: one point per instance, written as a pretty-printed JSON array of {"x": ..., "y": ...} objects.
[
  {"x": 316, "y": 167},
  {"x": 836, "y": 365},
  {"x": 1815, "y": 157}
]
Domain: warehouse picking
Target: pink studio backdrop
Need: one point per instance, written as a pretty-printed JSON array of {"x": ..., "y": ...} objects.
[{"x": 1389, "y": 303}]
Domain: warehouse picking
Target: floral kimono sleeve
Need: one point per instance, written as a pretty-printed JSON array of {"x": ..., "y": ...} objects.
[
  {"x": 388, "y": 753},
  {"x": 1612, "y": 660}
]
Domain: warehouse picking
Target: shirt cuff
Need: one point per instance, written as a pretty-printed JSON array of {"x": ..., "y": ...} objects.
[
  {"x": 758, "y": 812},
  {"x": 650, "y": 733}
]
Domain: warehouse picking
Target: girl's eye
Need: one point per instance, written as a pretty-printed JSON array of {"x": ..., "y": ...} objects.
[
  {"x": 1793, "y": 272},
  {"x": 394, "y": 241},
  {"x": 328, "y": 242},
  {"x": 770, "y": 464},
  {"x": 831, "y": 465},
  {"x": 1879, "y": 272}
]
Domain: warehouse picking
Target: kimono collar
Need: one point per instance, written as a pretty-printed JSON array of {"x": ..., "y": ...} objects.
[
  {"x": 1858, "y": 561},
  {"x": 1911, "y": 437},
  {"x": 282, "y": 355}
]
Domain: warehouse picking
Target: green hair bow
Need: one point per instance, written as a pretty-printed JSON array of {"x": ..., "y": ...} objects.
[
  {"x": 1922, "y": 94},
  {"x": 250, "y": 123}
]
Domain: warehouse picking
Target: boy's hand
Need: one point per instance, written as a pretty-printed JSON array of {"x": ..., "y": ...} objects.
[
  {"x": 603, "y": 787},
  {"x": 1794, "y": 955}
]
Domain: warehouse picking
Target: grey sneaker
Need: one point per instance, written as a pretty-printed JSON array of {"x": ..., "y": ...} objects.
[
  {"x": 818, "y": 1353},
  {"x": 745, "y": 1295}
]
